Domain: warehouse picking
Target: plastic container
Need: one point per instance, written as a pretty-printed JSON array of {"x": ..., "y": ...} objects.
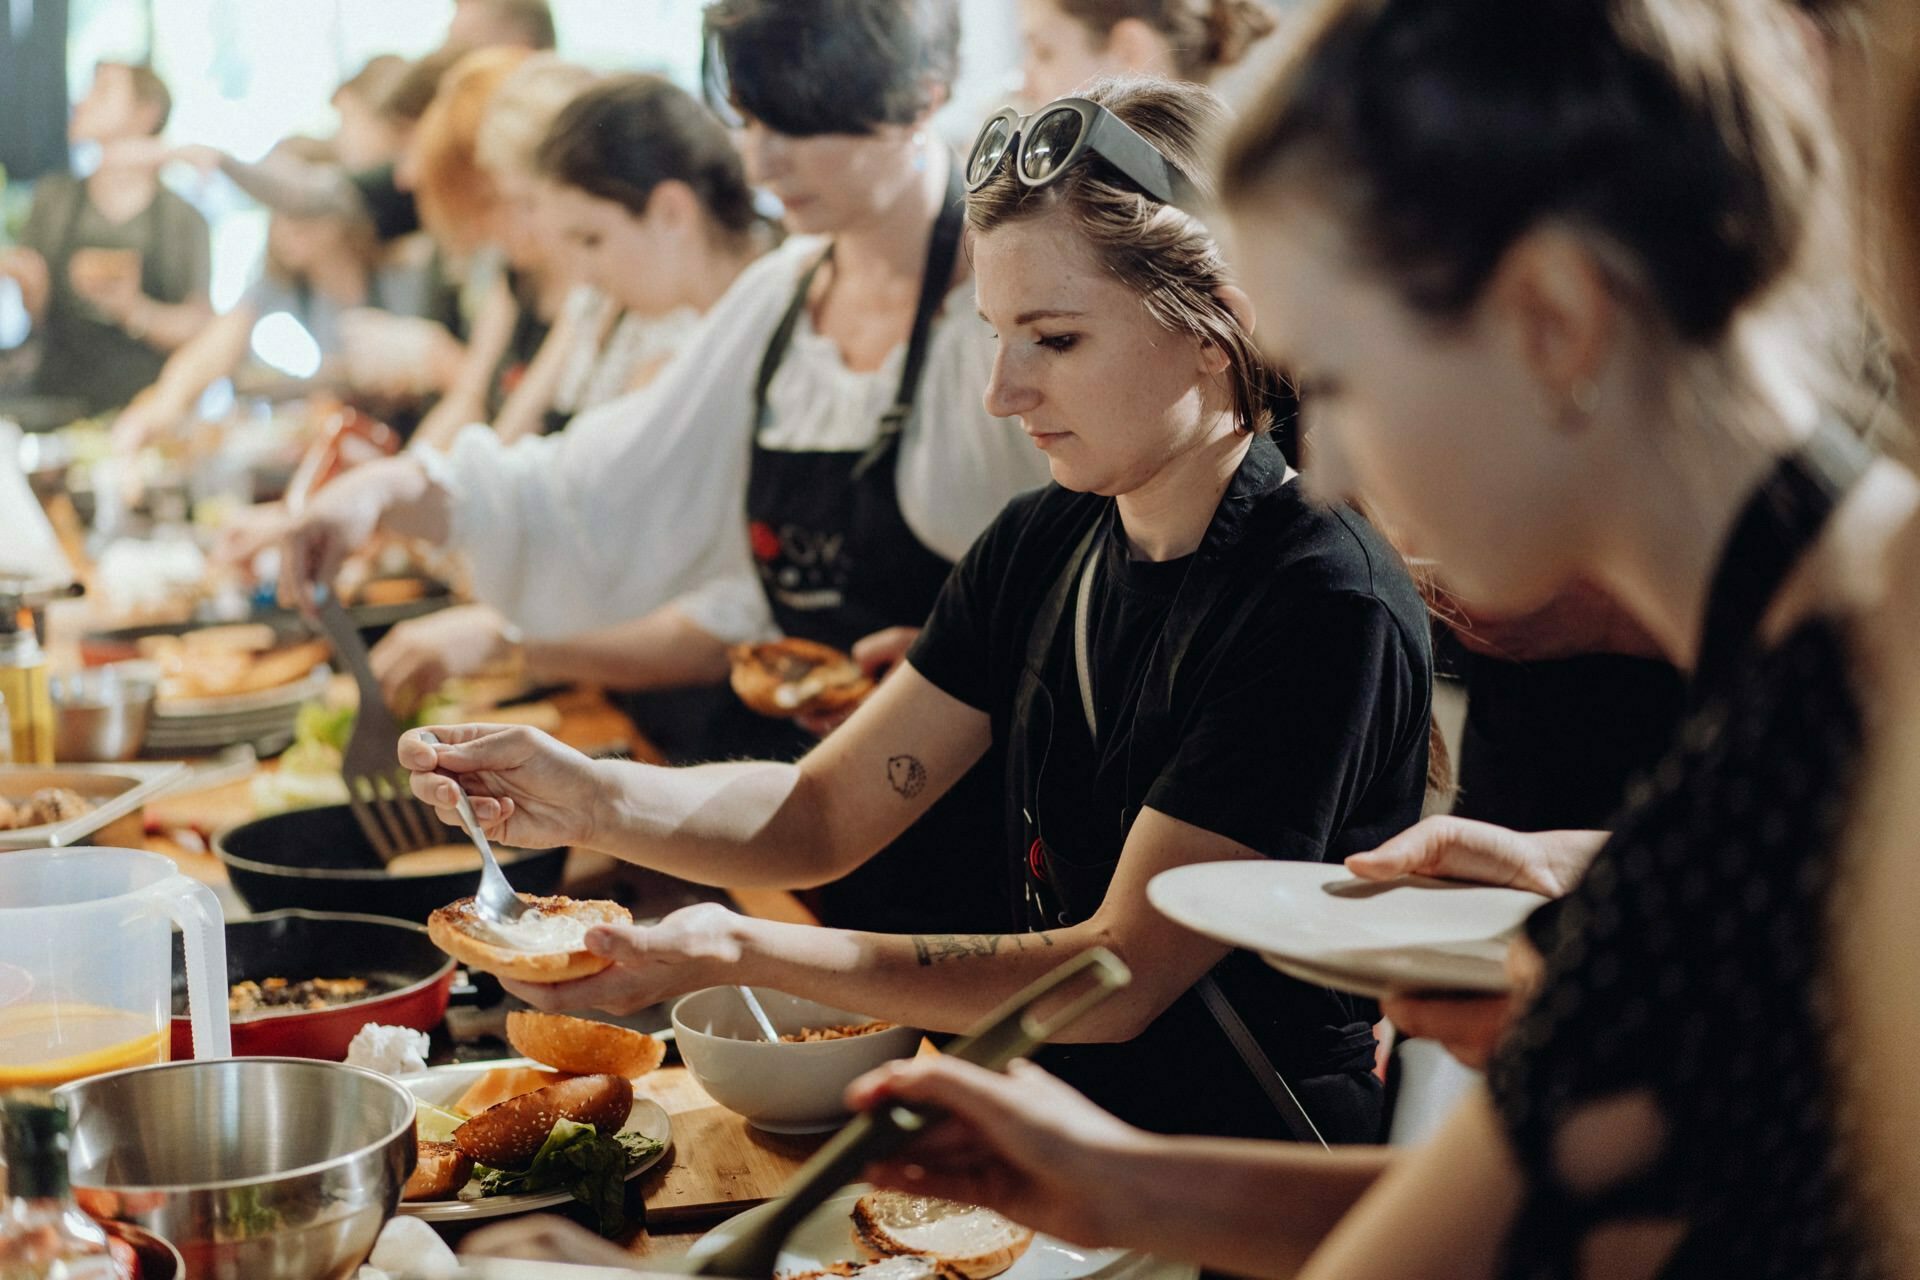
[{"x": 85, "y": 972}]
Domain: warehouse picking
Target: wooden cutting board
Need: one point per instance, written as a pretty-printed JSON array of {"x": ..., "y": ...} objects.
[{"x": 719, "y": 1164}]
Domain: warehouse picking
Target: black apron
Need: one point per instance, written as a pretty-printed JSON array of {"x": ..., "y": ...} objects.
[
  {"x": 1183, "y": 1074},
  {"x": 839, "y": 562}
]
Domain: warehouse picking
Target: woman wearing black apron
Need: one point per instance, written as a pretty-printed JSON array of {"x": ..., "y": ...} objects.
[
  {"x": 1184, "y": 659},
  {"x": 839, "y": 563},
  {"x": 841, "y": 398}
]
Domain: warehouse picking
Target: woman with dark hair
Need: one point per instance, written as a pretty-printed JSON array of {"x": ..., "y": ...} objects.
[
  {"x": 652, "y": 205},
  {"x": 1071, "y": 43},
  {"x": 1167, "y": 622},
  {"x": 813, "y": 463},
  {"x": 1603, "y": 245}
]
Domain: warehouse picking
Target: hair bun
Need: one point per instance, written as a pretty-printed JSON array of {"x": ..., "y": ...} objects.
[{"x": 1233, "y": 26}]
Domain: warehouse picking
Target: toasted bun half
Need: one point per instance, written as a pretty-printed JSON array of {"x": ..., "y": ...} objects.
[
  {"x": 458, "y": 930},
  {"x": 582, "y": 1047},
  {"x": 442, "y": 1170},
  {"x": 502, "y": 1083},
  {"x": 975, "y": 1242},
  {"x": 508, "y": 1136},
  {"x": 790, "y": 677}
]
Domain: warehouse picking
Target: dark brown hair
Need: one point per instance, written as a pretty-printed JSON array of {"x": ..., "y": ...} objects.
[
  {"x": 1206, "y": 35},
  {"x": 1164, "y": 254},
  {"x": 1684, "y": 134},
  {"x": 627, "y": 135},
  {"x": 810, "y": 67}
]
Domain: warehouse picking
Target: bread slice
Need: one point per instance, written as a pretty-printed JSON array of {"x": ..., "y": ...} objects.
[
  {"x": 509, "y": 1135},
  {"x": 582, "y": 1047},
  {"x": 439, "y": 1173},
  {"x": 793, "y": 677},
  {"x": 975, "y": 1242},
  {"x": 459, "y": 930}
]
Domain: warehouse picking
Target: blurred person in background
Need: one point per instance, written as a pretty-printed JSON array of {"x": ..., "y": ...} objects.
[
  {"x": 112, "y": 267},
  {"x": 471, "y": 170},
  {"x": 1070, "y": 43},
  {"x": 484, "y": 24},
  {"x": 315, "y": 270},
  {"x": 814, "y": 462},
  {"x": 647, "y": 194}
]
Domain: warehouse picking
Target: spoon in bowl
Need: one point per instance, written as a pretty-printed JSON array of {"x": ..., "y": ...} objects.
[{"x": 759, "y": 1015}]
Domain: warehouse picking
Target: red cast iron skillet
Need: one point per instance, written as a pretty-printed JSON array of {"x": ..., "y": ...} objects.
[{"x": 413, "y": 978}]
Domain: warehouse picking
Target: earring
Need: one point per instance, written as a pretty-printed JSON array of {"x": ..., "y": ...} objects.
[
  {"x": 1583, "y": 398},
  {"x": 919, "y": 150}
]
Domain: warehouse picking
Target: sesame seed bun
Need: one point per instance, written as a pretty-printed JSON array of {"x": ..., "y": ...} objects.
[{"x": 509, "y": 1135}]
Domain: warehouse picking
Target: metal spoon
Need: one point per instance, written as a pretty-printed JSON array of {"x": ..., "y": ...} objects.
[
  {"x": 495, "y": 898},
  {"x": 759, "y": 1015}
]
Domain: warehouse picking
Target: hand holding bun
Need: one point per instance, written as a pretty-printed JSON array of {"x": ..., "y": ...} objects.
[
  {"x": 792, "y": 677},
  {"x": 526, "y": 950}
]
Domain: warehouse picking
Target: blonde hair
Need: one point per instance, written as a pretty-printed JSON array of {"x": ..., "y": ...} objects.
[
  {"x": 523, "y": 109},
  {"x": 454, "y": 193}
]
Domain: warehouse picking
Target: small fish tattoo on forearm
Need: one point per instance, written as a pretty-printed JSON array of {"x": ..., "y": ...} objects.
[{"x": 906, "y": 775}]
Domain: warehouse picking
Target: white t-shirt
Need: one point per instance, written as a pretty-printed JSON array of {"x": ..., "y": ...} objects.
[{"x": 642, "y": 502}]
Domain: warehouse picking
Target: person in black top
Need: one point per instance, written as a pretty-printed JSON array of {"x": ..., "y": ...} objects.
[
  {"x": 113, "y": 267},
  {"x": 1595, "y": 244},
  {"x": 1184, "y": 658}
]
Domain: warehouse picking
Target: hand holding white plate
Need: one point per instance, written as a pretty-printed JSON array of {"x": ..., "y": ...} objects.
[{"x": 1319, "y": 923}]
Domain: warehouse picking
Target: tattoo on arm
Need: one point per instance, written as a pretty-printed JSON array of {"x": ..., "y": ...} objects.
[
  {"x": 907, "y": 775},
  {"x": 934, "y": 948}
]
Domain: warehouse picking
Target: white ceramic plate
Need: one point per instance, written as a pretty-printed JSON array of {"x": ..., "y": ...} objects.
[
  {"x": 827, "y": 1238},
  {"x": 442, "y": 1086},
  {"x": 1318, "y": 923}
]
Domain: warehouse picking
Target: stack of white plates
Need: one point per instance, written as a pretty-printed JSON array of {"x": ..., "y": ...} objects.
[{"x": 262, "y": 720}]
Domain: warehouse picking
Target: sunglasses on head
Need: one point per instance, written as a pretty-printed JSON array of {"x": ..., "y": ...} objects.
[{"x": 1049, "y": 142}]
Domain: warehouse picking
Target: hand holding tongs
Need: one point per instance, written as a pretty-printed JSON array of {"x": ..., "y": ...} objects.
[{"x": 1009, "y": 1032}]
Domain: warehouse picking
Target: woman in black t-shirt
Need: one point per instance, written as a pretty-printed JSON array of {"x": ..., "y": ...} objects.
[{"x": 1184, "y": 659}]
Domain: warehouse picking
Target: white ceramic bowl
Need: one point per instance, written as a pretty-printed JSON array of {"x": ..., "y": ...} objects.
[{"x": 782, "y": 1088}]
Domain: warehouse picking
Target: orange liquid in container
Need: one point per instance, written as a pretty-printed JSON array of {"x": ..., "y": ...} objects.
[{"x": 44, "y": 1045}]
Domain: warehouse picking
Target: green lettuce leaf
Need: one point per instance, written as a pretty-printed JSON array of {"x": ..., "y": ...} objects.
[{"x": 577, "y": 1160}]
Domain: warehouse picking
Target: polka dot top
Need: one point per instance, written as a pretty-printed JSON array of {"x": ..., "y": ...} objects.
[{"x": 1674, "y": 1065}]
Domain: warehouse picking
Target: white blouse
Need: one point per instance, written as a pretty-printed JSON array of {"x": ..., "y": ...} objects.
[{"x": 642, "y": 501}]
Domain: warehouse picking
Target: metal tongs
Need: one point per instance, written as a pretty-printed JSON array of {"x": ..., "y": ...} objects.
[{"x": 1009, "y": 1032}]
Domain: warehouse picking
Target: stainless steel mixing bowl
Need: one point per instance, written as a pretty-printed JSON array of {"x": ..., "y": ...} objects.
[{"x": 252, "y": 1167}]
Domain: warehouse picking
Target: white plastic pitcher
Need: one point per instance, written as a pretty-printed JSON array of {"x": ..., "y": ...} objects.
[{"x": 86, "y": 966}]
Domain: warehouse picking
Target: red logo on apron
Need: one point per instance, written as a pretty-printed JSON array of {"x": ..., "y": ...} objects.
[{"x": 765, "y": 542}]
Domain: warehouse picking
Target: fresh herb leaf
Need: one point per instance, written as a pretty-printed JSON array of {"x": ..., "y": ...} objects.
[{"x": 577, "y": 1160}]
